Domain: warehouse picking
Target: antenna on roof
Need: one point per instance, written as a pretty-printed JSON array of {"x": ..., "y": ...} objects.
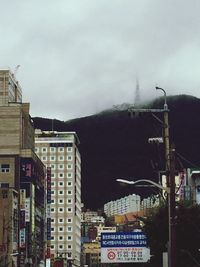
[{"x": 16, "y": 69}]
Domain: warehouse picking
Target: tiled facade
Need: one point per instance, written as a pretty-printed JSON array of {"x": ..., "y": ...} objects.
[{"x": 59, "y": 151}]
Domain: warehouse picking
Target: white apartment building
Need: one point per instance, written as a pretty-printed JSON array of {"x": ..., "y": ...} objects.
[
  {"x": 59, "y": 150},
  {"x": 123, "y": 205}
]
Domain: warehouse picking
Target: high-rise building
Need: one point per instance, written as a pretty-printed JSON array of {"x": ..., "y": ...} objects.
[
  {"x": 59, "y": 151},
  {"x": 123, "y": 205},
  {"x": 21, "y": 180}
]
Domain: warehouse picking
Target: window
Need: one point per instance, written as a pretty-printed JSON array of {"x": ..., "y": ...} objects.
[
  {"x": 69, "y": 166},
  {"x": 69, "y": 229},
  {"x": 69, "y": 192},
  {"x": 60, "y": 149},
  {"x": 69, "y": 158},
  {"x": 61, "y": 183},
  {"x": 52, "y": 201},
  {"x": 53, "y": 175},
  {"x": 60, "y": 229},
  {"x": 5, "y": 167},
  {"x": 53, "y": 166},
  {"x": 52, "y": 229},
  {"x": 52, "y": 192},
  {"x": 69, "y": 246},
  {"x": 69, "y": 149},
  {"x": 52, "y": 220},
  {"x": 44, "y": 158},
  {"x": 52, "y": 237},
  {"x": 69, "y": 209},
  {"x": 60, "y": 166},
  {"x": 61, "y": 201},
  {"x": 69, "y": 200},
  {"x": 69, "y": 183},
  {"x": 52, "y": 184},
  {"x": 60, "y": 237},
  {"x": 61, "y": 210},
  {"x": 69, "y": 237},
  {"x": 60, "y": 220},
  {"x": 44, "y": 149},
  {"x": 61, "y": 158},
  {"x": 52, "y": 158},
  {"x": 60, "y": 246},
  {"x": 69, "y": 175},
  {"x": 36, "y": 150},
  {"x": 52, "y": 247},
  {"x": 60, "y": 192},
  {"x": 52, "y": 210},
  {"x": 61, "y": 175},
  {"x": 69, "y": 220},
  {"x": 52, "y": 149}
]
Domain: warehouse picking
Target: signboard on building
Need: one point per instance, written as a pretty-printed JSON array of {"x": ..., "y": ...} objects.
[
  {"x": 124, "y": 247},
  {"x": 22, "y": 238},
  {"x": 27, "y": 210}
]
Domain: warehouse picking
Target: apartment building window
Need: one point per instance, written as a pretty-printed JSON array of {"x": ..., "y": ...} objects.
[
  {"x": 60, "y": 149},
  {"x": 52, "y": 237},
  {"x": 44, "y": 149},
  {"x": 69, "y": 192},
  {"x": 60, "y": 220},
  {"x": 60, "y": 192},
  {"x": 69, "y": 237},
  {"x": 69, "y": 247},
  {"x": 52, "y": 220},
  {"x": 52, "y": 229},
  {"x": 52, "y": 149},
  {"x": 60, "y": 237},
  {"x": 52, "y": 246},
  {"x": 60, "y": 229},
  {"x": 52, "y": 184},
  {"x": 69, "y": 149},
  {"x": 69, "y": 220},
  {"x": 52, "y": 210},
  {"x": 52, "y": 192},
  {"x": 69, "y": 175},
  {"x": 69, "y": 158},
  {"x": 61, "y": 158},
  {"x": 61, "y": 210},
  {"x": 69, "y": 229},
  {"x": 52, "y": 201},
  {"x": 61, "y": 201},
  {"x": 5, "y": 167},
  {"x": 69, "y": 201},
  {"x": 69, "y": 209},
  {"x": 36, "y": 149},
  {"x": 44, "y": 158},
  {"x": 53, "y": 166},
  {"x": 61, "y": 184},
  {"x": 52, "y": 158},
  {"x": 69, "y": 183},
  {"x": 60, "y": 246},
  {"x": 53, "y": 175},
  {"x": 69, "y": 166},
  {"x": 60, "y": 166},
  {"x": 61, "y": 175}
]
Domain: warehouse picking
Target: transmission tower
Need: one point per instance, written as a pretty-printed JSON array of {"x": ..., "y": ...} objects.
[{"x": 137, "y": 94}]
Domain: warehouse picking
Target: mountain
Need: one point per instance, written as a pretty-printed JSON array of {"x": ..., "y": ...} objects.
[{"x": 114, "y": 146}]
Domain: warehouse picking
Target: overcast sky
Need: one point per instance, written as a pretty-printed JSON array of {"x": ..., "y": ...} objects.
[{"x": 78, "y": 57}]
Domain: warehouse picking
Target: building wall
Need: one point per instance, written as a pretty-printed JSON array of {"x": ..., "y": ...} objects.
[{"x": 59, "y": 151}]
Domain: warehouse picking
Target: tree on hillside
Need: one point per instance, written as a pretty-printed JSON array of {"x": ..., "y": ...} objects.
[{"x": 187, "y": 235}]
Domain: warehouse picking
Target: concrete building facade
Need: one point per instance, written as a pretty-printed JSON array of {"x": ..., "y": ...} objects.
[
  {"x": 59, "y": 151},
  {"x": 123, "y": 205},
  {"x": 16, "y": 148}
]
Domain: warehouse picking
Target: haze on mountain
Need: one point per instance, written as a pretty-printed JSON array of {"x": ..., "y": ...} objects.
[
  {"x": 79, "y": 57},
  {"x": 114, "y": 146}
]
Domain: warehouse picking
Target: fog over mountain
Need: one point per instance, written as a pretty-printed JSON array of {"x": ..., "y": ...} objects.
[{"x": 115, "y": 146}]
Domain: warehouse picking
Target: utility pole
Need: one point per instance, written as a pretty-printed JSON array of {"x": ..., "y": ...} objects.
[{"x": 170, "y": 173}]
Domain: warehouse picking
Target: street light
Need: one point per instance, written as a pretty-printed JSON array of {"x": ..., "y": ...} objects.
[{"x": 168, "y": 190}]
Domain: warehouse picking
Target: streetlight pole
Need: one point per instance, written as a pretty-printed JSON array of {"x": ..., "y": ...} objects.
[{"x": 170, "y": 176}]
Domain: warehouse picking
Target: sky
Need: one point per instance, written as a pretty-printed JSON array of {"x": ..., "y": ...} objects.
[{"x": 78, "y": 57}]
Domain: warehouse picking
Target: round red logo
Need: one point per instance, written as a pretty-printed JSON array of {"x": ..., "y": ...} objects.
[{"x": 111, "y": 255}]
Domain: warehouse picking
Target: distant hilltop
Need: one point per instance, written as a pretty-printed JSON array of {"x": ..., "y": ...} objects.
[{"x": 113, "y": 145}]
